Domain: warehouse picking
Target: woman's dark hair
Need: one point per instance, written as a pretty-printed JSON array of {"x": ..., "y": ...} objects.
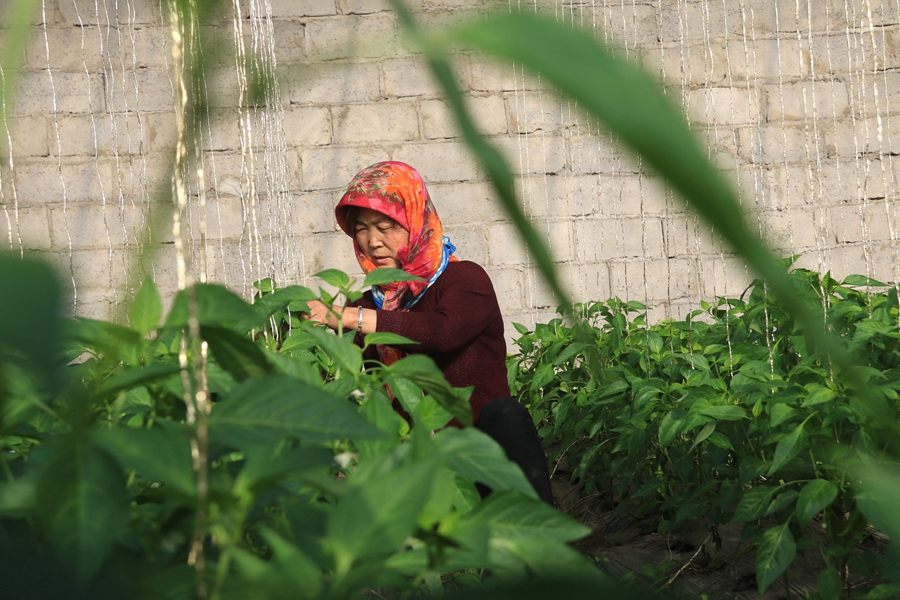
[{"x": 350, "y": 215}]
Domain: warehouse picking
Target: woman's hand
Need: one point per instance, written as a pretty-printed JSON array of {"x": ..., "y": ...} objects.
[
  {"x": 322, "y": 313},
  {"x": 351, "y": 318}
]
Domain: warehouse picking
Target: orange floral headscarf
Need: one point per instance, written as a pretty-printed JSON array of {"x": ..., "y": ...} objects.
[{"x": 395, "y": 189}]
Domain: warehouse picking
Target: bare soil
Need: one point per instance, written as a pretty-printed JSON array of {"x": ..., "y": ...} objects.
[{"x": 686, "y": 564}]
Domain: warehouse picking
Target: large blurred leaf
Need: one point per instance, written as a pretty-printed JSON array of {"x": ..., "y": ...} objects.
[
  {"x": 29, "y": 313},
  {"x": 216, "y": 305},
  {"x": 877, "y": 500},
  {"x": 475, "y": 456},
  {"x": 493, "y": 162},
  {"x": 631, "y": 104},
  {"x": 81, "y": 499},
  {"x": 235, "y": 353},
  {"x": 16, "y": 16},
  {"x": 155, "y": 454},
  {"x": 262, "y": 410}
]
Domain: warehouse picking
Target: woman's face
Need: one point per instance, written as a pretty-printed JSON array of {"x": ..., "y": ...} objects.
[{"x": 379, "y": 237}]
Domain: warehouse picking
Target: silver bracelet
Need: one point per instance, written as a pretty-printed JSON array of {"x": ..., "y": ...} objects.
[{"x": 359, "y": 320}]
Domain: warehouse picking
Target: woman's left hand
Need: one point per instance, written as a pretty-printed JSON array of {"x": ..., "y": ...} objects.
[{"x": 322, "y": 313}]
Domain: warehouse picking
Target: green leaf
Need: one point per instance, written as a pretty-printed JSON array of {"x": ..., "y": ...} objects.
[
  {"x": 510, "y": 516},
  {"x": 818, "y": 394},
  {"x": 216, "y": 305},
  {"x": 375, "y": 516},
  {"x": 474, "y": 455},
  {"x": 334, "y": 277},
  {"x": 671, "y": 426},
  {"x": 265, "y": 285},
  {"x": 815, "y": 496},
  {"x": 788, "y": 447},
  {"x": 783, "y": 500},
  {"x": 262, "y": 410},
  {"x": 751, "y": 468},
  {"x": 862, "y": 280},
  {"x": 81, "y": 500},
  {"x": 779, "y": 413},
  {"x": 774, "y": 554},
  {"x": 829, "y": 585},
  {"x": 726, "y": 412},
  {"x": 385, "y": 338},
  {"x": 18, "y": 498},
  {"x": 235, "y": 353},
  {"x": 704, "y": 433},
  {"x": 344, "y": 352},
  {"x": 753, "y": 504},
  {"x": 130, "y": 378},
  {"x": 107, "y": 338},
  {"x": 386, "y": 275},
  {"x": 146, "y": 310},
  {"x": 156, "y": 454},
  {"x": 267, "y": 465},
  {"x": 270, "y": 303},
  {"x": 422, "y": 371}
]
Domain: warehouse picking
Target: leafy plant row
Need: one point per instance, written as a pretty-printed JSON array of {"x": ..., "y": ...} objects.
[
  {"x": 316, "y": 487},
  {"x": 729, "y": 416}
]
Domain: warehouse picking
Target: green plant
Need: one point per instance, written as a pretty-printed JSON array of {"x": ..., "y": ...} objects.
[
  {"x": 316, "y": 487},
  {"x": 726, "y": 416}
]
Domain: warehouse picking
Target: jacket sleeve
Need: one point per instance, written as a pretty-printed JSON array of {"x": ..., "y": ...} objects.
[{"x": 466, "y": 306}]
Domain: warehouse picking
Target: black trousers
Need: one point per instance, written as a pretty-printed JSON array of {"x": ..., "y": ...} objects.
[{"x": 510, "y": 425}]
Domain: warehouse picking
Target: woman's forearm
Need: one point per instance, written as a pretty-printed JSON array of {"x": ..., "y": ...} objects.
[{"x": 350, "y": 319}]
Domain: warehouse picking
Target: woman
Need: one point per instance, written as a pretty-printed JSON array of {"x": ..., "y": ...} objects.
[{"x": 453, "y": 313}]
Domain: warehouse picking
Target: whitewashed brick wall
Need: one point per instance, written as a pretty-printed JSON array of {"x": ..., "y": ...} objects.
[{"x": 798, "y": 103}]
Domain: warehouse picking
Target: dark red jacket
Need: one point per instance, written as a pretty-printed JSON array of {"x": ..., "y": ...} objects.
[{"x": 458, "y": 324}]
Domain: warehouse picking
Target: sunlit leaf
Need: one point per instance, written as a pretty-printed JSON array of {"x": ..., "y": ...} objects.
[
  {"x": 862, "y": 280},
  {"x": 334, "y": 277},
  {"x": 146, "y": 310}
]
